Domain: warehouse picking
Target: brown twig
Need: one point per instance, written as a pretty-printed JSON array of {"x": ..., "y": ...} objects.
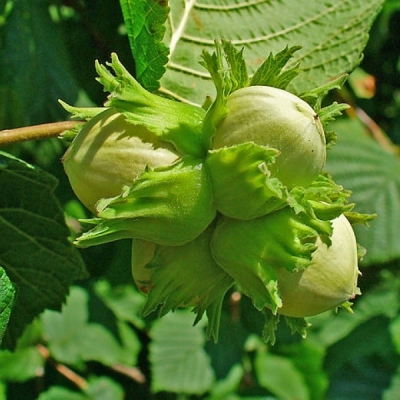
[
  {"x": 72, "y": 376},
  {"x": 131, "y": 372},
  {"x": 35, "y": 132}
]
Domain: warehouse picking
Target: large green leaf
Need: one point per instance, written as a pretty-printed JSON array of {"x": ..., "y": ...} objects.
[
  {"x": 179, "y": 361},
  {"x": 34, "y": 248},
  {"x": 361, "y": 165},
  {"x": 332, "y": 35}
]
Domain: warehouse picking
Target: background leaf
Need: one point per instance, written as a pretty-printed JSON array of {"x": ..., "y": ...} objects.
[
  {"x": 34, "y": 251},
  {"x": 72, "y": 339},
  {"x": 145, "y": 25},
  {"x": 99, "y": 388},
  {"x": 332, "y": 35},
  {"x": 280, "y": 376},
  {"x": 361, "y": 165},
  {"x": 41, "y": 61},
  {"x": 179, "y": 362},
  {"x": 22, "y": 364},
  {"x": 124, "y": 300}
]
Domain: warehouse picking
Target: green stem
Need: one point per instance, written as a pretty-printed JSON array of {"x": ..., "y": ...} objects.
[{"x": 35, "y": 132}]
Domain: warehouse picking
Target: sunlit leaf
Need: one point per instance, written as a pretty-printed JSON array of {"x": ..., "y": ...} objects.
[
  {"x": 225, "y": 389},
  {"x": 99, "y": 388},
  {"x": 332, "y": 35},
  {"x": 308, "y": 357}
]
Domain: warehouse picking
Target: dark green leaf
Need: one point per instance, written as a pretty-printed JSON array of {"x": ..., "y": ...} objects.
[
  {"x": 34, "y": 250},
  {"x": 35, "y": 73},
  {"x": 7, "y": 297},
  {"x": 382, "y": 300},
  {"x": 144, "y": 21}
]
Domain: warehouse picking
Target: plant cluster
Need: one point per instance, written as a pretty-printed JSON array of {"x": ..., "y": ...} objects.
[{"x": 230, "y": 194}]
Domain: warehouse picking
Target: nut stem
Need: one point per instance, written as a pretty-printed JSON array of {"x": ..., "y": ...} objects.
[{"x": 35, "y": 132}]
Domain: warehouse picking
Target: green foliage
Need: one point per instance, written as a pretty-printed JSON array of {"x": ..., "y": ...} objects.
[
  {"x": 41, "y": 50},
  {"x": 74, "y": 340},
  {"x": 7, "y": 296},
  {"x": 101, "y": 388},
  {"x": 332, "y": 36},
  {"x": 177, "y": 354},
  {"x": 372, "y": 173},
  {"x": 280, "y": 376},
  {"x": 99, "y": 333},
  {"x": 145, "y": 25},
  {"x": 35, "y": 251}
]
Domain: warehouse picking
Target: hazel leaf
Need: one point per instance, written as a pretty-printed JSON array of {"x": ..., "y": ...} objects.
[
  {"x": 145, "y": 23},
  {"x": 179, "y": 362},
  {"x": 332, "y": 36},
  {"x": 34, "y": 243}
]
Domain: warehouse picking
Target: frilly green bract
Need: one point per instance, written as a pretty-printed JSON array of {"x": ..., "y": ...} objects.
[
  {"x": 251, "y": 251},
  {"x": 173, "y": 121},
  {"x": 241, "y": 181},
  {"x": 169, "y": 205},
  {"x": 188, "y": 276}
]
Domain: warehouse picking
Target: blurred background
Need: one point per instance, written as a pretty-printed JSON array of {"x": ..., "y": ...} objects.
[{"x": 47, "y": 52}]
